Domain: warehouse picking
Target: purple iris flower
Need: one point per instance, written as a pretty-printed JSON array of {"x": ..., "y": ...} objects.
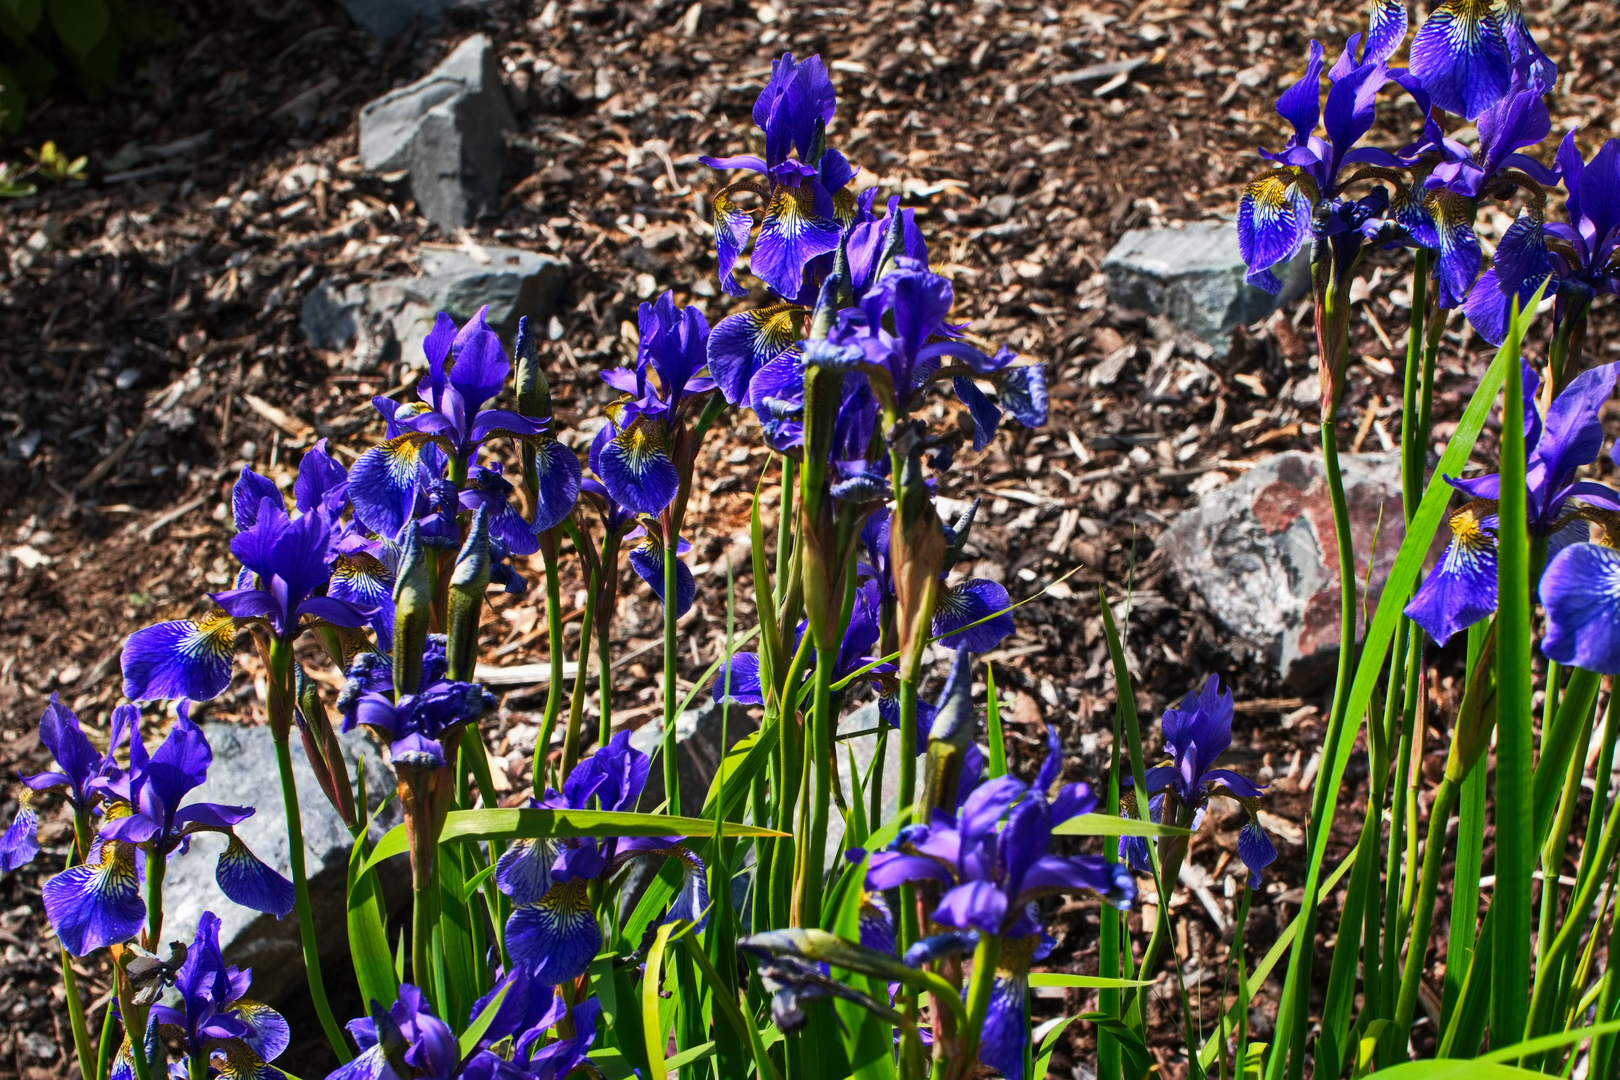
[
  {"x": 527, "y": 1012},
  {"x": 553, "y": 932},
  {"x": 408, "y": 1034},
  {"x": 1301, "y": 200},
  {"x": 98, "y": 902},
  {"x": 634, "y": 453},
  {"x": 415, "y": 726},
  {"x": 79, "y": 767},
  {"x": 214, "y": 1017},
  {"x": 1579, "y": 254},
  {"x": 804, "y": 196},
  {"x": 990, "y": 859},
  {"x": 1195, "y": 735},
  {"x": 466, "y": 368},
  {"x": 287, "y": 561},
  {"x": 1580, "y": 591},
  {"x": 1462, "y": 588},
  {"x": 1468, "y": 52}
]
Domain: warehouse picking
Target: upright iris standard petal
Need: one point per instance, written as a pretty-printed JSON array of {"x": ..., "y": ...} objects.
[
  {"x": 1460, "y": 55},
  {"x": 247, "y": 493},
  {"x": 20, "y": 842},
  {"x": 743, "y": 343},
  {"x": 1581, "y": 593},
  {"x": 97, "y": 903},
  {"x": 189, "y": 658},
  {"x": 1274, "y": 219},
  {"x": 383, "y": 483},
  {"x": 967, "y": 603},
  {"x": 799, "y": 225},
  {"x": 323, "y": 482},
  {"x": 249, "y": 882},
  {"x": 557, "y": 936},
  {"x": 636, "y": 468},
  {"x": 558, "y": 474},
  {"x": 1462, "y": 589}
]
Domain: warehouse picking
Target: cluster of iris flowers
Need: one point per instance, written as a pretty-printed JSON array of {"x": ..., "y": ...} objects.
[{"x": 384, "y": 567}]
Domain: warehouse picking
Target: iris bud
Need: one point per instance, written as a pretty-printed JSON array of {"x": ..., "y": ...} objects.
[
  {"x": 467, "y": 586},
  {"x": 413, "y": 602}
]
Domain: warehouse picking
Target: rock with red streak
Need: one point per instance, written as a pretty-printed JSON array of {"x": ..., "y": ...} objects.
[{"x": 1261, "y": 553}]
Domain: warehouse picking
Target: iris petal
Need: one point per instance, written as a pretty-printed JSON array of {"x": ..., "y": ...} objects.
[
  {"x": 1274, "y": 218},
  {"x": 1256, "y": 850},
  {"x": 1460, "y": 55},
  {"x": 648, "y": 561},
  {"x": 99, "y": 902},
  {"x": 732, "y": 226},
  {"x": 1462, "y": 589},
  {"x": 636, "y": 469},
  {"x": 1023, "y": 394},
  {"x": 20, "y": 843},
  {"x": 523, "y": 871},
  {"x": 966, "y": 603},
  {"x": 986, "y": 417},
  {"x": 743, "y": 343},
  {"x": 248, "y": 881},
  {"x": 557, "y": 472},
  {"x": 744, "y": 683},
  {"x": 557, "y": 936},
  {"x": 189, "y": 658},
  {"x": 799, "y": 225},
  {"x": 367, "y": 581},
  {"x": 1581, "y": 592},
  {"x": 1001, "y": 1042},
  {"x": 382, "y": 484}
]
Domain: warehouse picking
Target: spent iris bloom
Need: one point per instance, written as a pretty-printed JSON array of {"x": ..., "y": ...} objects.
[
  {"x": 1195, "y": 735},
  {"x": 1462, "y": 588},
  {"x": 802, "y": 185},
  {"x": 99, "y": 903},
  {"x": 991, "y": 861},
  {"x": 1468, "y": 52},
  {"x": 553, "y": 931},
  {"x": 466, "y": 369},
  {"x": 214, "y": 1017},
  {"x": 634, "y": 454}
]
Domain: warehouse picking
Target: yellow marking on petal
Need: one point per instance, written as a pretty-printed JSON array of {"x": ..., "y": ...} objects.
[
  {"x": 214, "y": 634},
  {"x": 790, "y": 209},
  {"x": 1017, "y": 953},
  {"x": 844, "y": 206}
]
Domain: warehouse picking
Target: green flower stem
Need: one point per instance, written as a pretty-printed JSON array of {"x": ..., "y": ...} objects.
[
  {"x": 672, "y": 761},
  {"x": 1445, "y": 797},
  {"x": 135, "y": 1025},
  {"x": 576, "y": 703},
  {"x": 81, "y": 1030},
  {"x": 1411, "y": 442},
  {"x": 156, "y": 865},
  {"x": 820, "y": 747},
  {"x": 910, "y": 927},
  {"x": 197, "y": 1065},
  {"x": 1289, "y": 1052},
  {"x": 554, "y": 637},
  {"x": 108, "y": 1047},
  {"x": 306, "y": 917},
  {"x": 985, "y": 957}
]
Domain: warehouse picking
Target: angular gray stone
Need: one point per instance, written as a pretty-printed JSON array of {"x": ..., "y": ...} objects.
[
  {"x": 385, "y": 20},
  {"x": 244, "y": 773},
  {"x": 514, "y": 283},
  {"x": 1260, "y": 551},
  {"x": 1195, "y": 277},
  {"x": 698, "y": 744},
  {"x": 445, "y": 130}
]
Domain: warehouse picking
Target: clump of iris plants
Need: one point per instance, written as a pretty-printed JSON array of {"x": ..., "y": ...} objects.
[{"x": 805, "y": 922}]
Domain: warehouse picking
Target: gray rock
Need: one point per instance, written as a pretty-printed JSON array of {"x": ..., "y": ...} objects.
[
  {"x": 445, "y": 130},
  {"x": 1260, "y": 552},
  {"x": 378, "y": 317},
  {"x": 1195, "y": 277},
  {"x": 244, "y": 773},
  {"x": 698, "y": 743},
  {"x": 385, "y": 20}
]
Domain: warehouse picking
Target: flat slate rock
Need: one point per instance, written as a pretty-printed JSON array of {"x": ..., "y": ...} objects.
[{"x": 1194, "y": 276}]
